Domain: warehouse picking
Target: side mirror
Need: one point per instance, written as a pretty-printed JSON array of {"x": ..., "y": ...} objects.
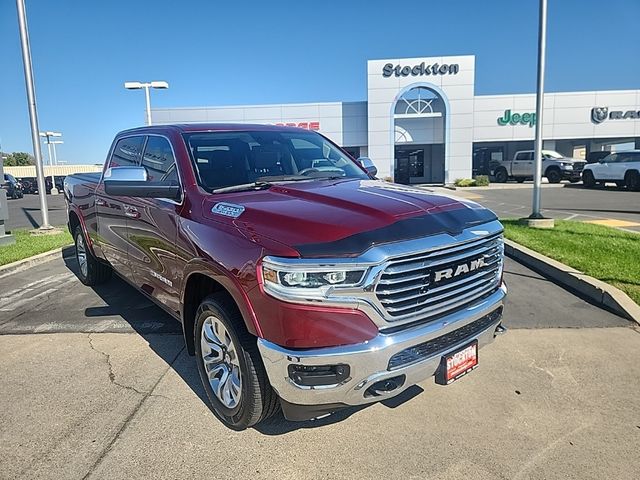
[
  {"x": 133, "y": 182},
  {"x": 368, "y": 165}
]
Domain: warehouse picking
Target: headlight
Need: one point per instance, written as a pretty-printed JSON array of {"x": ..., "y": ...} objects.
[
  {"x": 311, "y": 279},
  {"x": 307, "y": 280},
  {"x": 567, "y": 166}
]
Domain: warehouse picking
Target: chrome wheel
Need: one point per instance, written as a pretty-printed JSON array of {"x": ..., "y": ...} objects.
[
  {"x": 221, "y": 363},
  {"x": 81, "y": 255}
]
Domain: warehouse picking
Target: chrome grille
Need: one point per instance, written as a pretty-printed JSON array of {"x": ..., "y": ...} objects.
[{"x": 410, "y": 285}]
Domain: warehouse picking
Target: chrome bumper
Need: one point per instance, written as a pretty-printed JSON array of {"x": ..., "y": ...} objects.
[{"x": 369, "y": 361}]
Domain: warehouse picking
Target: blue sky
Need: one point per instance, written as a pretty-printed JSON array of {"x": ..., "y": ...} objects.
[{"x": 229, "y": 53}]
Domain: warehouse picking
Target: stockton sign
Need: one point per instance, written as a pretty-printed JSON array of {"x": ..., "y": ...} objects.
[
  {"x": 418, "y": 70},
  {"x": 600, "y": 114},
  {"x": 517, "y": 118}
]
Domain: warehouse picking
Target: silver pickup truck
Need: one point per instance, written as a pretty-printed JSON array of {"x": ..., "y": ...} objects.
[{"x": 555, "y": 167}]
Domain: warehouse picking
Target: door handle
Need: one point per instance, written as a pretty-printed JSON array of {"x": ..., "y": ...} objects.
[{"x": 131, "y": 212}]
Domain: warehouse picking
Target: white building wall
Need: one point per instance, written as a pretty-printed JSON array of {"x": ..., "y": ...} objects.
[
  {"x": 567, "y": 115},
  {"x": 343, "y": 122},
  {"x": 457, "y": 89},
  {"x": 370, "y": 124}
]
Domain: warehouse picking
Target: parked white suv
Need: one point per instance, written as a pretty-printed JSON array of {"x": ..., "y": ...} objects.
[{"x": 623, "y": 168}]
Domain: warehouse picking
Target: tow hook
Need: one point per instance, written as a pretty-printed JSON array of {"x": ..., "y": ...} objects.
[{"x": 500, "y": 330}]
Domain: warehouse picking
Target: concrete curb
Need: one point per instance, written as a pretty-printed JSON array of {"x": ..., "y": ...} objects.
[
  {"x": 25, "y": 263},
  {"x": 598, "y": 292}
]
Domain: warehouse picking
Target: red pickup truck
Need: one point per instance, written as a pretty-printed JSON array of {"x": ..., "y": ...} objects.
[{"x": 301, "y": 281}]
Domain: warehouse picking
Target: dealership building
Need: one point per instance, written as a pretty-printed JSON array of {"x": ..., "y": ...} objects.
[{"x": 423, "y": 123}]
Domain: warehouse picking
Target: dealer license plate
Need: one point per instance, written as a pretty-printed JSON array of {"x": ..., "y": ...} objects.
[{"x": 457, "y": 364}]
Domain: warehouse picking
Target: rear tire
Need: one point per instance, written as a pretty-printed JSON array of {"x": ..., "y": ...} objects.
[
  {"x": 501, "y": 175},
  {"x": 553, "y": 175},
  {"x": 90, "y": 270},
  {"x": 588, "y": 180},
  {"x": 632, "y": 180},
  {"x": 230, "y": 365}
]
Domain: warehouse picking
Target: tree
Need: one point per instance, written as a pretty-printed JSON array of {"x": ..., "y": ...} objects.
[{"x": 19, "y": 159}]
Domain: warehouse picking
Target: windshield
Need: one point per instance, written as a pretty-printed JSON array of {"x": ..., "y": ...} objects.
[
  {"x": 551, "y": 154},
  {"x": 226, "y": 159}
]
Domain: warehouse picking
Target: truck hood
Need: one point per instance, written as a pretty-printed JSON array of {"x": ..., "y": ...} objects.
[{"x": 343, "y": 217}]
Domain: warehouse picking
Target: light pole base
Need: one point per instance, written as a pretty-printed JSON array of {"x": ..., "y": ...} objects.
[
  {"x": 45, "y": 231},
  {"x": 54, "y": 191},
  {"x": 537, "y": 222}
]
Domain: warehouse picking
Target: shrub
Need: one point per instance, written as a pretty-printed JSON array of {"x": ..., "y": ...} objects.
[
  {"x": 465, "y": 182},
  {"x": 482, "y": 180}
]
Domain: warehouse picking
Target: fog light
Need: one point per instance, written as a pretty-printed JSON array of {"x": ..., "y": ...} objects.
[{"x": 318, "y": 375}]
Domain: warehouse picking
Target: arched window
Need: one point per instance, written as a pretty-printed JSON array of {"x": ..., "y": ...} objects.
[{"x": 420, "y": 101}]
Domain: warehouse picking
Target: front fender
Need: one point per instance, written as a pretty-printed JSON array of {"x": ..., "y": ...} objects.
[{"x": 229, "y": 282}]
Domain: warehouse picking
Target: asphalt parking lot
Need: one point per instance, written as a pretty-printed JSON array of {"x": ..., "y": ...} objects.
[
  {"x": 96, "y": 384},
  {"x": 25, "y": 212},
  {"x": 616, "y": 207}
]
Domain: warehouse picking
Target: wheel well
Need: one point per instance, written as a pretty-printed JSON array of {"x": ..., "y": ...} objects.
[
  {"x": 552, "y": 167},
  {"x": 630, "y": 172},
  {"x": 197, "y": 288},
  {"x": 74, "y": 221}
]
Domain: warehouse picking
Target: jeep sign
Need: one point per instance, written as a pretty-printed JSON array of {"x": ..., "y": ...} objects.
[{"x": 517, "y": 118}]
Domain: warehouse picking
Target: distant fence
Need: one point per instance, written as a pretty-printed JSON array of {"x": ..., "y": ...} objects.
[{"x": 56, "y": 170}]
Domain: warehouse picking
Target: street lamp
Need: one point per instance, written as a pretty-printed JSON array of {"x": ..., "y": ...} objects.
[
  {"x": 55, "y": 156},
  {"x": 33, "y": 113},
  {"x": 536, "y": 219},
  {"x": 51, "y": 146},
  {"x": 146, "y": 86}
]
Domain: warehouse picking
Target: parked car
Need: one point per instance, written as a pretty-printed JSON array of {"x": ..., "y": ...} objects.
[
  {"x": 595, "y": 157},
  {"x": 623, "y": 168},
  {"x": 29, "y": 185},
  {"x": 12, "y": 186},
  {"x": 555, "y": 167},
  {"x": 301, "y": 281}
]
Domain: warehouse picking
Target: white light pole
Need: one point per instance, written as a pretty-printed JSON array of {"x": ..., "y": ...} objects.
[
  {"x": 536, "y": 219},
  {"x": 51, "y": 147},
  {"x": 33, "y": 113},
  {"x": 146, "y": 86},
  {"x": 55, "y": 155}
]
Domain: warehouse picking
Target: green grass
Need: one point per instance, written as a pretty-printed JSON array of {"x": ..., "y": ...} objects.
[
  {"x": 605, "y": 253},
  {"x": 28, "y": 245}
]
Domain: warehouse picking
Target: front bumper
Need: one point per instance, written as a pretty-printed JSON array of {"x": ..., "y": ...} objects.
[{"x": 369, "y": 362}]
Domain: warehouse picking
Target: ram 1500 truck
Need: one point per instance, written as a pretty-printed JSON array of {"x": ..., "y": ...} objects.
[
  {"x": 301, "y": 281},
  {"x": 555, "y": 167}
]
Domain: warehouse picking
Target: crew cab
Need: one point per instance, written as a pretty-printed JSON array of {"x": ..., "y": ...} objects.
[
  {"x": 301, "y": 281},
  {"x": 622, "y": 168},
  {"x": 555, "y": 167}
]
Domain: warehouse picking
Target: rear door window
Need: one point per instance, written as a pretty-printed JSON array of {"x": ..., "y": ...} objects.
[{"x": 127, "y": 152}]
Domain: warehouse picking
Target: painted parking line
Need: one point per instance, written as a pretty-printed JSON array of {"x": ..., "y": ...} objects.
[
  {"x": 34, "y": 291},
  {"x": 611, "y": 222}
]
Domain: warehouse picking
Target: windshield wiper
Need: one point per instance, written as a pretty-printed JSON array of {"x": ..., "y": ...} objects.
[{"x": 259, "y": 185}]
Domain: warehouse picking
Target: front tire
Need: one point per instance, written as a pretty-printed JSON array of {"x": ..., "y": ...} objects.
[
  {"x": 588, "y": 180},
  {"x": 553, "y": 175},
  {"x": 632, "y": 180},
  {"x": 230, "y": 365},
  {"x": 501, "y": 175},
  {"x": 90, "y": 270}
]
